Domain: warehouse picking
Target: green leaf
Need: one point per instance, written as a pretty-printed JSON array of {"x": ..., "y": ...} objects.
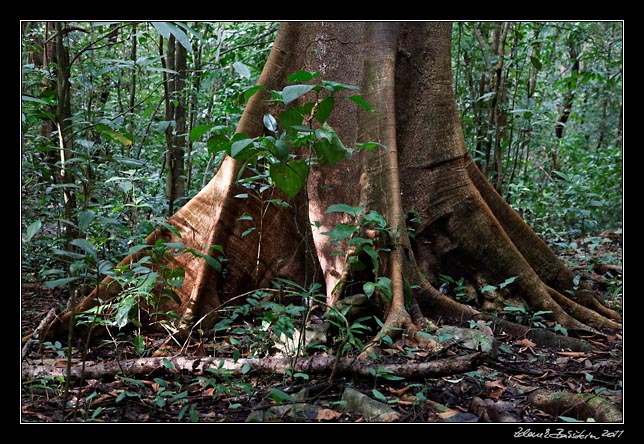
[
  {"x": 280, "y": 396},
  {"x": 282, "y": 150},
  {"x": 330, "y": 152},
  {"x": 369, "y": 288},
  {"x": 341, "y": 232},
  {"x": 325, "y": 107},
  {"x": 167, "y": 28},
  {"x": 540, "y": 313},
  {"x": 290, "y": 177},
  {"x": 242, "y": 69},
  {"x": 378, "y": 395},
  {"x": 336, "y": 86},
  {"x": 194, "y": 33},
  {"x": 536, "y": 62},
  {"x": 108, "y": 132},
  {"x": 569, "y": 419},
  {"x": 247, "y": 232},
  {"x": 85, "y": 218},
  {"x": 488, "y": 288},
  {"x": 238, "y": 146},
  {"x": 162, "y": 28},
  {"x": 35, "y": 100},
  {"x": 508, "y": 281},
  {"x": 218, "y": 143},
  {"x": 248, "y": 93},
  {"x": 84, "y": 245},
  {"x": 126, "y": 186},
  {"x": 369, "y": 146},
  {"x": 358, "y": 100},
  {"x": 60, "y": 282},
  {"x": 486, "y": 96},
  {"x": 163, "y": 126},
  {"x": 139, "y": 344},
  {"x": 198, "y": 131},
  {"x": 302, "y": 76},
  {"x": 375, "y": 218},
  {"x": 33, "y": 228},
  {"x": 270, "y": 123},
  {"x": 344, "y": 208},
  {"x": 373, "y": 254},
  {"x": 292, "y": 92},
  {"x": 122, "y": 314},
  {"x": 290, "y": 118},
  {"x": 214, "y": 263},
  {"x": 136, "y": 248},
  {"x": 130, "y": 163},
  {"x": 218, "y": 248}
]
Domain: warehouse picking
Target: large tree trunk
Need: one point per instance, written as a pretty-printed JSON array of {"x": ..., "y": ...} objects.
[{"x": 465, "y": 230}]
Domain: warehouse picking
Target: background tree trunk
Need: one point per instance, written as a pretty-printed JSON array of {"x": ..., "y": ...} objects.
[{"x": 65, "y": 129}]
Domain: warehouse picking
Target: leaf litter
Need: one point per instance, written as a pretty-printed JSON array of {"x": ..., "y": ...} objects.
[{"x": 497, "y": 391}]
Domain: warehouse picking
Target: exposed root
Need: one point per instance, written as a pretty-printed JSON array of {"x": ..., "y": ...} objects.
[
  {"x": 581, "y": 406},
  {"x": 583, "y": 314},
  {"x": 590, "y": 300}
]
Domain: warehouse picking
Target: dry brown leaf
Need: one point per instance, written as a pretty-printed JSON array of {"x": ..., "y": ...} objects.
[
  {"x": 448, "y": 413},
  {"x": 399, "y": 392},
  {"x": 494, "y": 384},
  {"x": 496, "y": 394},
  {"x": 209, "y": 391},
  {"x": 599, "y": 344},
  {"x": 442, "y": 411},
  {"x": 571, "y": 354},
  {"x": 103, "y": 397},
  {"x": 403, "y": 402},
  {"x": 409, "y": 398},
  {"x": 328, "y": 415},
  {"x": 526, "y": 342}
]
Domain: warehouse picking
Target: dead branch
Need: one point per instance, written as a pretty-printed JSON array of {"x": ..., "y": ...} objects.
[
  {"x": 36, "y": 333},
  {"x": 276, "y": 364}
]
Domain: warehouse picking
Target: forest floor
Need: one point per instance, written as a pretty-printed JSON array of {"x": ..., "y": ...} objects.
[{"x": 497, "y": 390}]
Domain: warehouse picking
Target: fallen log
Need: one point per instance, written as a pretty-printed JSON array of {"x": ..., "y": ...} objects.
[{"x": 271, "y": 365}]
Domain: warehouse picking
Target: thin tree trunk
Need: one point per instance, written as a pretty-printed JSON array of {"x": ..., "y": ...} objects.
[
  {"x": 132, "y": 102},
  {"x": 569, "y": 97},
  {"x": 177, "y": 165},
  {"x": 499, "y": 101},
  {"x": 65, "y": 130}
]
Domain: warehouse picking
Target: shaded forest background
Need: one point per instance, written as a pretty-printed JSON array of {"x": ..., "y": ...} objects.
[{"x": 540, "y": 103}]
